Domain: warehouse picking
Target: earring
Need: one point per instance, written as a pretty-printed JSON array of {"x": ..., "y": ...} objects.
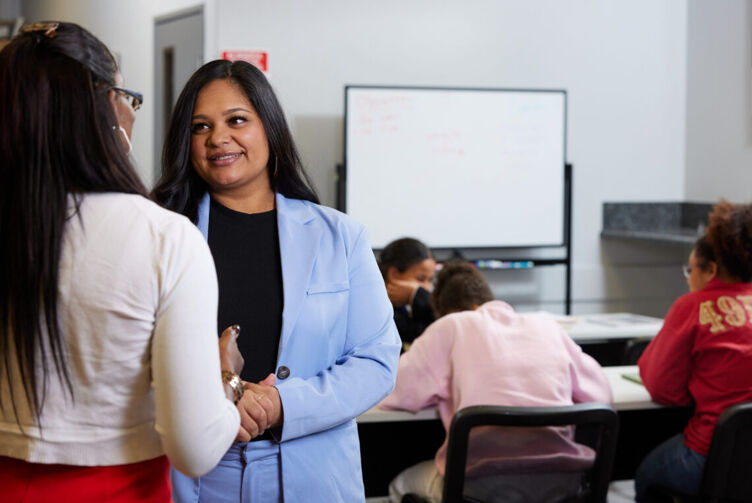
[
  {"x": 275, "y": 167},
  {"x": 125, "y": 137}
]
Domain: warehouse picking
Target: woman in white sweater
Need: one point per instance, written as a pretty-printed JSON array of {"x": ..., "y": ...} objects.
[{"x": 108, "y": 347}]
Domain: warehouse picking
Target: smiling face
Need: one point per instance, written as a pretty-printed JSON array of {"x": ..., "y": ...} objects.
[{"x": 229, "y": 149}]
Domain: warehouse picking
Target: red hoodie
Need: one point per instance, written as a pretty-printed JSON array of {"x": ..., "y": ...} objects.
[{"x": 703, "y": 353}]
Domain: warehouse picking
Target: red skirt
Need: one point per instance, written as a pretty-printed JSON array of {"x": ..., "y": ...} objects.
[{"x": 147, "y": 481}]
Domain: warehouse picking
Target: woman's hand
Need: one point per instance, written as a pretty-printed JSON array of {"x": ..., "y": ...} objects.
[
  {"x": 267, "y": 395},
  {"x": 243, "y": 435},
  {"x": 260, "y": 408},
  {"x": 229, "y": 355},
  {"x": 401, "y": 292}
]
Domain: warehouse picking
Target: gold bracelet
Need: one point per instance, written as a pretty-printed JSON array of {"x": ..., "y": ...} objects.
[{"x": 235, "y": 383}]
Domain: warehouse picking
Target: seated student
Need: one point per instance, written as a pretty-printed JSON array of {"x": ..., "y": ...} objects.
[
  {"x": 483, "y": 353},
  {"x": 703, "y": 353},
  {"x": 408, "y": 269}
]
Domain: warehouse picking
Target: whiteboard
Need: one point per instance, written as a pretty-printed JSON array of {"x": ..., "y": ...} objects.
[{"x": 456, "y": 168}]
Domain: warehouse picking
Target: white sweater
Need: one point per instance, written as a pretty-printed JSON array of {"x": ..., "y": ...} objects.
[{"x": 138, "y": 311}]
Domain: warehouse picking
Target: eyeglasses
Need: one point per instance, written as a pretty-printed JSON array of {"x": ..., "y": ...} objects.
[
  {"x": 135, "y": 99},
  {"x": 687, "y": 269}
]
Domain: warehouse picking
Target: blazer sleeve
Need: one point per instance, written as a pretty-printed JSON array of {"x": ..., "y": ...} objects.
[
  {"x": 666, "y": 364},
  {"x": 366, "y": 370}
]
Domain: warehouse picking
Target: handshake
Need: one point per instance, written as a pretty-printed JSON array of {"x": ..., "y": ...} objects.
[{"x": 260, "y": 406}]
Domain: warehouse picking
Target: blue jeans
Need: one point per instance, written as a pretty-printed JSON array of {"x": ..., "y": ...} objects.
[
  {"x": 672, "y": 465},
  {"x": 248, "y": 473}
]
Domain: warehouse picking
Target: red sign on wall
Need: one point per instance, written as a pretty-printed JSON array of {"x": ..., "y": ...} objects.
[{"x": 259, "y": 59}]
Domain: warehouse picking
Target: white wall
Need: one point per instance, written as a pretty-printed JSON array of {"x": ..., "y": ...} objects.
[
  {"x": 127, "y": 28},
  {"x": 624, "y": 65},
  {"x": 10, "y": 9},
  {"x": 719, "y": 101}
]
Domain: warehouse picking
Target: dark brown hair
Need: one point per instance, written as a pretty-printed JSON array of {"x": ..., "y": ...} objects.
[
  {"x": 459, "y": 287},
  {"x": 703, "y": 250},
  {"x": 57, "y": 141},
  {"x": 729, "y": 233},
  {"x": 402, "y": 253}
]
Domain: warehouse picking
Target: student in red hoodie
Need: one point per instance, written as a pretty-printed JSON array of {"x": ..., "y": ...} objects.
[{"x": 703, "y": 353}]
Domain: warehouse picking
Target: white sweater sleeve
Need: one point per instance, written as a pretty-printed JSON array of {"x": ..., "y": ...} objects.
[{"x": 195, "y": 420}]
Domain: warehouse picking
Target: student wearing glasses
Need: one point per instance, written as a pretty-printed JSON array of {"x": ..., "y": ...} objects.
[
  {"x": 703, "y": 353},
  {"x": 126, "y": 102},
  {"x": 319, "y": 340},
  {"x": 108, "y": 302}
]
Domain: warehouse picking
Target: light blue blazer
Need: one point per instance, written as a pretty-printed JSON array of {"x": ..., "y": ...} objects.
[{"x": 339, "y": 342}]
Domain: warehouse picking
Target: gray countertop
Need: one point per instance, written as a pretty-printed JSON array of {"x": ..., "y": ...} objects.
[{"x": 667, "y": 222}]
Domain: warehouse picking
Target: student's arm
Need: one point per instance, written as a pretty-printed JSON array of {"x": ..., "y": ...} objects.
[
  {"x": 195, "y": 420},
  {"x": 665, "y": 366},
  {"x": 589, "y": 381},
  {"x": 423, "y": 372}
]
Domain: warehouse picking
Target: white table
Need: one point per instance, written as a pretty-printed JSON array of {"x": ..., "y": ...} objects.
[
  {"x": 590, "y": 328},
  {"x": 628, "y": 395}
]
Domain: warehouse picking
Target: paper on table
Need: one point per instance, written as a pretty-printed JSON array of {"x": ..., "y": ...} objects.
[
  {"x": 634, "y": 377},
  {"x": 623, "y": 320}
]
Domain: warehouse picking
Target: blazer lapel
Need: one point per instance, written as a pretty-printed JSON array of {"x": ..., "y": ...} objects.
[
  {"x": 299, "y": 238},
  {"x": 203, "y": 216}
]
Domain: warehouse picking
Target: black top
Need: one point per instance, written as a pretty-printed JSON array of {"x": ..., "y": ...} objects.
[
  {"x": 249, "y": 269},
  {"x": 411, "y": 324}
]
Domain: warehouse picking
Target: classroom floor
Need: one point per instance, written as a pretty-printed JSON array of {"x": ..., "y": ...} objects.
[{"x": 620, "y": 491}]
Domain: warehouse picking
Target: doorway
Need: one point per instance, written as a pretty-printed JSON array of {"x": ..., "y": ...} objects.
[{"x": 178, "y": 52}]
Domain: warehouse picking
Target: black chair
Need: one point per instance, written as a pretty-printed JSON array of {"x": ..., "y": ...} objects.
[
  {"x": 728, "y": 466},
  {"x": 594, "y": 414},
  {"x": 633, "y": 350}
]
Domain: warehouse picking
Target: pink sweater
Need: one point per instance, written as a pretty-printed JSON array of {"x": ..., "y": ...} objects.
[{"x": 494, "y": 356}]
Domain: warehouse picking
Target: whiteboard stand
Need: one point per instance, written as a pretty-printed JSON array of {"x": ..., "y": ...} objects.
[
  {"x": 486, "y": 150},
  {"x": 568, "y": 237},
  {"x": 526, "y": 262},
  {"x": 507, "y": 263}
]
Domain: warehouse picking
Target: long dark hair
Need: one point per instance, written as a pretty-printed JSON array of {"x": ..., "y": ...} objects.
[
  {"x": 57, "y": 140},
  {"x": 180, "y": 188}
]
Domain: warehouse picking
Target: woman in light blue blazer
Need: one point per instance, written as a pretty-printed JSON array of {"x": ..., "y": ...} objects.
[{"x": 316, "y": 321}]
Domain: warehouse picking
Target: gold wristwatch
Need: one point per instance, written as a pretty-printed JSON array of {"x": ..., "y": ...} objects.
[{"x": 235, "y": 383}]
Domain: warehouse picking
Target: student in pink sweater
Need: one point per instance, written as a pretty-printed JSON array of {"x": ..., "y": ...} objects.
[{"x": 480, "y": 352}]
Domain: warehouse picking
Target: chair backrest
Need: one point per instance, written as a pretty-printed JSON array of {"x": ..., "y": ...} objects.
[
  {"x": 604, "y": 416},
  {"x": 728, "y": 466}
]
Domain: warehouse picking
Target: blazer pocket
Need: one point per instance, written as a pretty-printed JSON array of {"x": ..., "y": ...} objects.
[{"x": 328, "y": 288}]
